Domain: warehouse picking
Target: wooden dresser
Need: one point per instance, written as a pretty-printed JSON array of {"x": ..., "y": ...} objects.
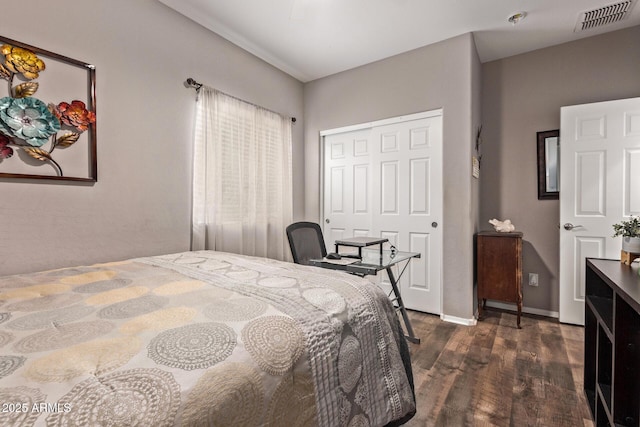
[{"x": 499, "y": 268}]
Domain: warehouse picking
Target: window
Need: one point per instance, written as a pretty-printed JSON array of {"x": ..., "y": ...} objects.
[{"x": 242, "y": 185}]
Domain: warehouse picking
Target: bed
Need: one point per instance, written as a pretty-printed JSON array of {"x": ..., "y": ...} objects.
[{"x": 200, "y": 338}]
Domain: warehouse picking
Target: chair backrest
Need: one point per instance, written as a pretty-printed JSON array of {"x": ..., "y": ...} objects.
[{"x": 306, "y": 241}]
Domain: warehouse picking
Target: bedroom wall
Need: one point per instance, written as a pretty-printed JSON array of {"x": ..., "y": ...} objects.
[
  {"x": 436, "y": 76},
  {"x": 143, "y": 52},
  {"x": 522, "y": 95}
]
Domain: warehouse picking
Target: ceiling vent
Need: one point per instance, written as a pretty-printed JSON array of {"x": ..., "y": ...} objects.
[{"x": 604, "y": 15}]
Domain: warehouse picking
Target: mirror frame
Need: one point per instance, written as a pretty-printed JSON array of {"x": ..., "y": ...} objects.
[{"x": 543, "y": 168}]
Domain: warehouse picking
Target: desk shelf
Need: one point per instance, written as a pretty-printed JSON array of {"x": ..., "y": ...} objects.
[{"x": 360, "y": 242}]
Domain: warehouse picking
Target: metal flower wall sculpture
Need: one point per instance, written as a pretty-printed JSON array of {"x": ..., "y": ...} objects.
[{"x": 27, "y": 123}]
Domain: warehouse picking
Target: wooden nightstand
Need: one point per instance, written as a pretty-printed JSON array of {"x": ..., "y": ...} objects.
[{"x": 499, "y": 268}]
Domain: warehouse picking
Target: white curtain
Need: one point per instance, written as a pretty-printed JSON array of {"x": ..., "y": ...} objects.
[{"x": 242, "y": 196}]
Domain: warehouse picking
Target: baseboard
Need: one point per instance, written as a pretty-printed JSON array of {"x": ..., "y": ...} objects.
[
  {"x": 499, "y": 305},
  {"x": 459, "y": 320},
  {"x": 529, "y": 310}
]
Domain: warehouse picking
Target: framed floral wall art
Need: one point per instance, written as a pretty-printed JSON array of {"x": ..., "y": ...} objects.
[{"x": 47, "y": 115}]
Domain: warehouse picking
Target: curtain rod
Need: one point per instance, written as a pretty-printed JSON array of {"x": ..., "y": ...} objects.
[{"x": 191, "y": 83}]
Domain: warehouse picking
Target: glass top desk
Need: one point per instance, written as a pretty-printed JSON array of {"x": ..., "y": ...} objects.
[{"x": 373, "y": 261}]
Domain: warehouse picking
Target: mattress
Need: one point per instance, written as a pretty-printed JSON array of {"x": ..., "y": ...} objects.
[{"x": 200, "y": 338}]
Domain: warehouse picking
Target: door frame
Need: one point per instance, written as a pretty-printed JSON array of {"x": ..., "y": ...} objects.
[{"x": 382, "y": 122}]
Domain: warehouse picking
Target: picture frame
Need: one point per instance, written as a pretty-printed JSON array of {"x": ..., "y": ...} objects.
[
  {"x": 66, "y": 87},
  {"x": 548, "y": 151}
]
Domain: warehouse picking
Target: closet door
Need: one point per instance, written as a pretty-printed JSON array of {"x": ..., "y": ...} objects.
[{"x": 385, "y": 179}]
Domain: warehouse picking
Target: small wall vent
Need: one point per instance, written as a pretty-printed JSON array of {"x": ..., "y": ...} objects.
[{"x": 604, "y": 15}]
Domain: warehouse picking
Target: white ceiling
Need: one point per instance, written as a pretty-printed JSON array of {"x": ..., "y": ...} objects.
[{"x": 309, "y": 39}]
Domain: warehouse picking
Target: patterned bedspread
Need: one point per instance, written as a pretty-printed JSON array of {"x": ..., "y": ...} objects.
[{"x": 200, "y": 338}]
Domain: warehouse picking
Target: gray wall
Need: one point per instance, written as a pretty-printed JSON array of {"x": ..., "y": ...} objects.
[
  {"x": 436, "y": 76},
  {"x": 143, "y": 52},
  {"x": 522, "y": 95}
]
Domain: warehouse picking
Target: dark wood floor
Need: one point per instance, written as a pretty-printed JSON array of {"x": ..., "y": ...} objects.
[{"x": 493, "y": 374}]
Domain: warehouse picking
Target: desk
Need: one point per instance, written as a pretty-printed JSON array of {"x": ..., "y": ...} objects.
[{"x": 371, "y": 262}]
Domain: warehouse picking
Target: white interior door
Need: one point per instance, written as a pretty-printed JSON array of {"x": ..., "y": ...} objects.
[
  {"x": 385, "y": 179},
  {"x": 599, "y": 186}
]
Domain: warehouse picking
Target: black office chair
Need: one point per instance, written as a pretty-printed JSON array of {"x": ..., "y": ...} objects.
[{"x": 306, "y": 242}]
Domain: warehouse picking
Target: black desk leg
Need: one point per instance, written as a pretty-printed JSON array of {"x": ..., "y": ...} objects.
[{"x": 411, "y": 337}]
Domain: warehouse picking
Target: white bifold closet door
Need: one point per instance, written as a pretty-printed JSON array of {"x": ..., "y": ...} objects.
[{"x": 384, "y": 179}]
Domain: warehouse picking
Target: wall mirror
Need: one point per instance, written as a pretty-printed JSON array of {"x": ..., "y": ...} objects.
[{"x": 548, "y": 164}]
